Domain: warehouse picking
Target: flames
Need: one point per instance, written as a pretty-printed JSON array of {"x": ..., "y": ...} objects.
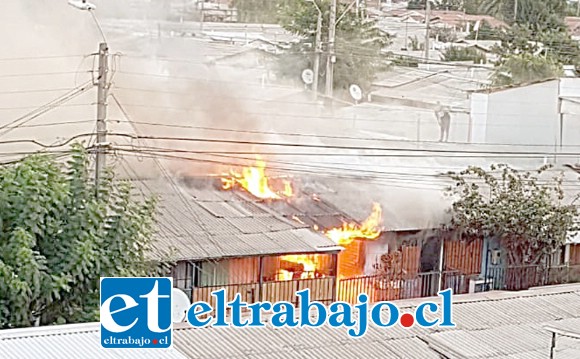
[
  {"x": 369, "y": 229},
  {"x": 304, "y": 264},
  {"x": 254, "y": 180}
]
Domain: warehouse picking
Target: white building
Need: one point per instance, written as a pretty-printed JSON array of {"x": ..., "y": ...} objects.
[{"x": 542, "y": 114}]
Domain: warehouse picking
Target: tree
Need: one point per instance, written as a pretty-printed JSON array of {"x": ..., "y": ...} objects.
[
  {"x": 358, "y": 44},
  {"x": 455, "y": 53},
  {"x": 525, "y": 68},
  {"x": 257, "y": 11},
  {"x": 540, "y": 12},
  {"x": 537, "y": 46},
  {"x": 57, "y": 238},
  {"x": 526, "y": 214},
  {"x": 485, "y": 32}
]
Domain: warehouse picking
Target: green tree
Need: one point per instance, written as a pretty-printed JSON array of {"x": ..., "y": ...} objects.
[
  {"x": 485, "y": 32},
  {"x": 534, "y": 12},
  {"x": 525, "y": 213},
  {"x": 57, "y": 238},
  {"x": 358, "y": 44},
  {"x": 455, "y": 53},
  {"x": 525, "y": 68},
  {"x": 257, "y": 11}
]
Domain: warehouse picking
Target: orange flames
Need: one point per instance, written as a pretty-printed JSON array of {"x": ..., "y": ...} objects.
[
  {"x": 369, "y": 229},
  {"x": 255, "y": 181},
  {"x": 307, "y": 262}
]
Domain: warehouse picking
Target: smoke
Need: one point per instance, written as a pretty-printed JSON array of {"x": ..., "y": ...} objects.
[
  {"x": 167, "y": 82},
  {"x": 45, "y": 27}
]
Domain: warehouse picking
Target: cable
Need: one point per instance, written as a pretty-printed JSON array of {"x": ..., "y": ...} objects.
[
  {"x": 44, "y": 74},
  {"x": 270, "y": 115},
  {"x": 404, "y": 151},
  {"x": 53, "y": 124},
  {"x": 33, "y": 91},
  {"x": 313, "y": 168},
  {"x": 45, "y": 108},
  {"x": 6, "y": 59},
  {"x": 333, "y": 147}
]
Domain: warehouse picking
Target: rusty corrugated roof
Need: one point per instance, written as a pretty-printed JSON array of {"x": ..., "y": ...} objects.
[{"x": 205, "y": 222}]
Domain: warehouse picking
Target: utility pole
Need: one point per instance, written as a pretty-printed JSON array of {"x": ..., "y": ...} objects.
[
  {"x": 318, "y": 50},
  {"x": 577, "y": 7},
  {"x": 101, "y": 112},
  {"x": 515, "y": 10},
  {"x": 330, "y": 60},
  {"x": 427, "y": 21}
]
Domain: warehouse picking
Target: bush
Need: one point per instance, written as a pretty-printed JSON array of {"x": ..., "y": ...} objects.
[{"x": 455, "y": 53}]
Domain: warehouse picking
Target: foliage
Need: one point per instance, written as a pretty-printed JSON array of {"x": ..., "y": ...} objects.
[
  {"x": 485, "y": 32},
  {"x": 546, "y": 13},
  {"x": 455, "y": 53},
  {"x": 257, "y": 11},
  {"x": 415, "y": 44},
  {"x": 404, "y": 61},
  {"x": 444, "y": 35},
  {"x": 358, "y": 44},
  {"x": 525, "y": 68},
  {"x": 57, "y": 238},
  {"x": 416, "y": 5},
  {"x": 450, "y": 5},
  {"x": 525, "y": 213},
  {"x": 537, "y": 46}
]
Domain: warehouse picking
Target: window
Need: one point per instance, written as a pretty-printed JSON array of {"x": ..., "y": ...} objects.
[{"x": 183, "y": 275}]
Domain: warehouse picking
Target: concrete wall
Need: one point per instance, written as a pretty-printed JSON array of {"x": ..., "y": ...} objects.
[
  {"x": 523, "y": 115},
  {"x": 546, "y": 113}
]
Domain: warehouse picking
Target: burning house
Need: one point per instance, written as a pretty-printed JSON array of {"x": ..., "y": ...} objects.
[
  {"x": 217, "y": 238},
  {"x": 268, "y": 237}
]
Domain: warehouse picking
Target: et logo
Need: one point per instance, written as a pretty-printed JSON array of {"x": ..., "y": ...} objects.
[{"x": 136, "y": 312}]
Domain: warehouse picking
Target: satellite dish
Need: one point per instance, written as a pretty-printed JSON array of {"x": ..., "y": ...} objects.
[
  {"x": 355, "y": 92},
  {"x": 308, "y": 76},
  {"x": 180, "y": 305}
]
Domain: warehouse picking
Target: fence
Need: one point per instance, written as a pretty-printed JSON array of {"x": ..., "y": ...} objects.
[
  {"x": 524, "y": 277},
  {"x": 381, "y": 288},
  {"x": 321, "y": 290}
]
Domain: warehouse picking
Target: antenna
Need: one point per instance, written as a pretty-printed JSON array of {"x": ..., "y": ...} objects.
[
  {"x": 308, "y": 76},
  {"x": 180, "y": 305},
  {"x": 355, "y": 92}
]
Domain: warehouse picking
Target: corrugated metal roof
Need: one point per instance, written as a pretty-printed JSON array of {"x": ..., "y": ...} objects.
[
  {"x": 201, "y": 221},
  {"x": 516, "y": 333},
  {"x": 69, "y": 342}
]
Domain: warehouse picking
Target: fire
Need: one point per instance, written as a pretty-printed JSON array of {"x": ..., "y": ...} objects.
[
  {"x": 255, "y": 181},
  {"x": 305, "y": 262},
  {"x": 369, "y": 229}
]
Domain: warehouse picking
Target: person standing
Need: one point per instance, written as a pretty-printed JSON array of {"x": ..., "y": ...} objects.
[{"x": 444, "y": 121}]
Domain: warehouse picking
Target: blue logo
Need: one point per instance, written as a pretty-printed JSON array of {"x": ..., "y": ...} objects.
[{"x": 136, "y": 312}]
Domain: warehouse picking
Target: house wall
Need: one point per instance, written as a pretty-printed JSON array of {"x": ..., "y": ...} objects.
[
  {"x": 463, "y": 256},
  {"x": 525, "y": 115},
  {"x": 351, "y": 260},
  {"x": 546, "y": 113},
  {"x": 408, "y": 246},
  {"x": 574, "y": 254}
]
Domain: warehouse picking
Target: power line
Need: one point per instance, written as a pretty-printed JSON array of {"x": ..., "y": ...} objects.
[
  {"x": 7, "y": 59},
  {"x": 45, "y": 108},
  {"x": 44, "y": 74},
  {"x": 313, "y": 166},
  {"x": 398, "y": 152}
]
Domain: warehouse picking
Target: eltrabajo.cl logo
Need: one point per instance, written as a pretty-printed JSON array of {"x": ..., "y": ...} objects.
[{"x": 136, "y": 312}]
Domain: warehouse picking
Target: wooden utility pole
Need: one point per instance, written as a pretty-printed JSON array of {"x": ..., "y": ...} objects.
[
  {"x": 101, "y": 112},
  {"x": 330, "y": 60},
  {"x": 427, "y": 27},
  {"x": 318, "y": 50}
]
